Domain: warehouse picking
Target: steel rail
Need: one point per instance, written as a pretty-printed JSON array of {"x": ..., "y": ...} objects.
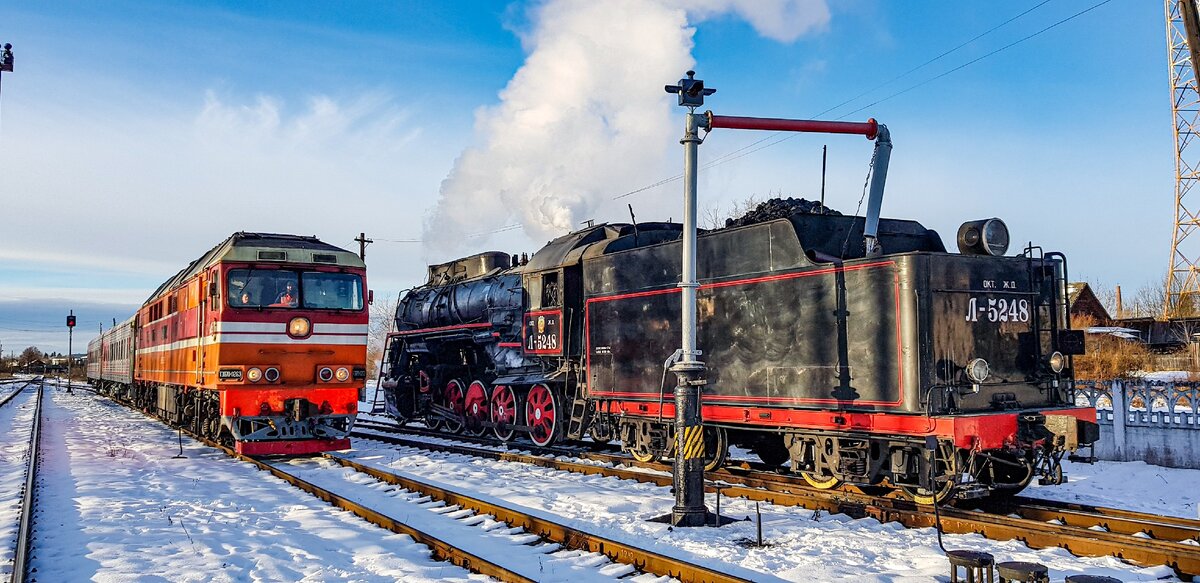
[
  {"x": 10, "y": 396},
  {"x": 441, "y": 550},
  {"x": 642, "y": 559},
  {"x": 1032, "y": 525},
  {"x": 566, "y": 536},
  {"x": 22, "y": 555}
]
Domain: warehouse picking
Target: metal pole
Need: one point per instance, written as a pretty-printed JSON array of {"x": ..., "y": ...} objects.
[{"x": 688, "y": 470}]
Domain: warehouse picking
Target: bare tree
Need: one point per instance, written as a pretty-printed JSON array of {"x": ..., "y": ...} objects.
[
  {"x": 714, "y": 218},
  {"x": 383, "y": 316},
  {"x": 29, "y": 355}
]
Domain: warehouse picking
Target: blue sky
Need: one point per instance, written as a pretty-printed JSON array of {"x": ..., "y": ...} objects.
[{"x": 136, "y": 135}]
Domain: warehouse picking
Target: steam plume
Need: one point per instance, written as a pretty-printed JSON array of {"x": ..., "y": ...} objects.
[{"x": 586, "y": 113}]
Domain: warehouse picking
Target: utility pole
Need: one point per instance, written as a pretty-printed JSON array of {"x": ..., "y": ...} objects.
[{"x": 363, "y": 241}]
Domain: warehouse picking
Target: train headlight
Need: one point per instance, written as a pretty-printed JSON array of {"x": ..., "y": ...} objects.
[
  {"x": 325, "y": 374},
  {"x": 1057, "y": 362},
  {"x": 342, "y": 374},
  {"x": 978, "y": 370},
  {"x": 299, "y": 327},
  {"x": 983, "y": 237},
  {"x": 254, "y": 375},
  {"x": 271, "y": 374}
]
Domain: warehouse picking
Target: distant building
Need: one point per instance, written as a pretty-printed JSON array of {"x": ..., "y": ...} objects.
[{"x": 1082, "y": 301}]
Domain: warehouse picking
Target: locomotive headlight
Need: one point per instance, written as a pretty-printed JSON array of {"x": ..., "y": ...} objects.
[
  {"x": 299, "y": 327},
  {"x": 254, "y": 375},
  {"x": 325, "y": 374},
  {"x": 983, "y": 237},
  {"x": 1057, "y": 362},
  {"x": 977, "y": 370},
  {"x": 342, "y": 374}
]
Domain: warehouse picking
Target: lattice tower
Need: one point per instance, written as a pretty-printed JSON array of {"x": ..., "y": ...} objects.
[{"x": 1183, "y": 54}]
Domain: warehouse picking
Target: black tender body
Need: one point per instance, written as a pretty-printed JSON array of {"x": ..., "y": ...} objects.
[{"x": 800, "y": 333}]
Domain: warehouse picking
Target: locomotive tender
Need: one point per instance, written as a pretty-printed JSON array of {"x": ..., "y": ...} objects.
[
  {"x": 941, "y": 374},
  {"x": 260, "y": 342}
]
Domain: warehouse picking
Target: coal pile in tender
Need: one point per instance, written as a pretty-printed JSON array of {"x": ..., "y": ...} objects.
[{"x": 780, "y": 208}]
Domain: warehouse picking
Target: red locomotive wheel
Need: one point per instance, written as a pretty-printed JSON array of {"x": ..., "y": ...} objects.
[
  {"x": 504, "y": 411},
  {"x": 454, "y": 402},
  {"x": 541, "y": 414},
  {"x": 476, "y": 408}
]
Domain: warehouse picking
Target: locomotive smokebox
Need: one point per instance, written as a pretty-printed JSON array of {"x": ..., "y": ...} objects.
[{"x": 983, "y": 237}]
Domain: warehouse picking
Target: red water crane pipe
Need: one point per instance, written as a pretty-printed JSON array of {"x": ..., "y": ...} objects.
[{"x": 869, "y": 128}]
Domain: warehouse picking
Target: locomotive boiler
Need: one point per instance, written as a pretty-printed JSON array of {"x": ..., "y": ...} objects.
[{"x": 936, "y": 373}]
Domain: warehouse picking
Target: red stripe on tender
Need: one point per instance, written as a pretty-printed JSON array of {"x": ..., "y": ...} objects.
[{"x": 443, "y": 329}]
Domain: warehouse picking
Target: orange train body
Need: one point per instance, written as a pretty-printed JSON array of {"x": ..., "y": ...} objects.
[{"x": 261, "y": 341}]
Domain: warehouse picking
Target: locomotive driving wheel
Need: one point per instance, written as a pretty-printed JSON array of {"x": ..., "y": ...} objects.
[
  {"x": 943, "y": 478},
  {"x": 542, "y": 414},
  {"x": 716, "y": 448},
  {"x": 476, "y": 408},
  {"x": 455, "y": 403},
  {"x": 820, "y": 481},
  {"x": 643, "y": 454},
  {"x": 504, "y": 412}
]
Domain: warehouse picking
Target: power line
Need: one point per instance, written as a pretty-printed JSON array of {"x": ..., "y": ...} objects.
[{"x": 777, "y": 138}]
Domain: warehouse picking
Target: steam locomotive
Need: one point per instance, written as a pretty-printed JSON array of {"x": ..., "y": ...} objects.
[
  {"x": 939, "y": 374},
  {"x": 260, "y": 343}
]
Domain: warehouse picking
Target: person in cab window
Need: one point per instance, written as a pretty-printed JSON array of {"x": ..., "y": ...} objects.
[
  {"x": 246, "y": 298},
  {"x": 288, "y": 296}
]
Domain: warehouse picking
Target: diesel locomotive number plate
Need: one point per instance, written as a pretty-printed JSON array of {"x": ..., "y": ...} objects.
[
  {"x": 543, "y": 332},
  {"x": 230, "y": 374},
  {"x": 988, "y": 309}
]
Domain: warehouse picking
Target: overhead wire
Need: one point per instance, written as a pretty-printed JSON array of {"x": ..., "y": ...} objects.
[{"x": 779, "y": 137}]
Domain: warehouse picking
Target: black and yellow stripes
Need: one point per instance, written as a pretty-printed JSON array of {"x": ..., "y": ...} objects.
[{"x": 691, "y": 442}]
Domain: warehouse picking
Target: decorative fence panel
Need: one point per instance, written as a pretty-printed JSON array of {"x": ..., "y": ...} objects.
[{"x": 1155, "y": 422}]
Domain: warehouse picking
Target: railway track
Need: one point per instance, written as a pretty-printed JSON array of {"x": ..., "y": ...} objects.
[
  {"x": 1083, "y": 530},
  {"x": 626, "y": 558},
  {"x": 24, "y": 536}
]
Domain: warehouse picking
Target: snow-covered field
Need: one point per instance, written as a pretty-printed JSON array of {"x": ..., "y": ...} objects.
[{"x": 116, "y": 508}]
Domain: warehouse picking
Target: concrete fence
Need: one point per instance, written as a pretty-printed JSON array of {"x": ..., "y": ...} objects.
[{"x": 1158, "y": 423}]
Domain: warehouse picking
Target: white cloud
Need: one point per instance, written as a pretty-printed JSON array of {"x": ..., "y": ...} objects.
[{"x": 586, "y": 107}]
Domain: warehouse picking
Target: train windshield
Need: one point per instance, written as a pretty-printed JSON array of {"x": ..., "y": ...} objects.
[
  {"x": 279, "y": 288},
  {"x": 331, "y": 291}
]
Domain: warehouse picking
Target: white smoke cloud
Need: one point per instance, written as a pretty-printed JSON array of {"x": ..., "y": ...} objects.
[{"x": 586, "y": 113}]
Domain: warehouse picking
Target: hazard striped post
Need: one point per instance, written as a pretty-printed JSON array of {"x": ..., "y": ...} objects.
[{"x": 688, "y": 470}]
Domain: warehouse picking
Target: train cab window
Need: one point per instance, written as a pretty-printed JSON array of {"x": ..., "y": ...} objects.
[
  {"x": 263, "y": 288},
  {"x": 277, "y": 288},
  {"x": 550, "y": 290},
  {"x": 331, "y": 291}
]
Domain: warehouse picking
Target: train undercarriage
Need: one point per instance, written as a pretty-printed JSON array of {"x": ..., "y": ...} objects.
[
  {"x": 300, "y": 428},
  {"x": 923, "y": 468}
]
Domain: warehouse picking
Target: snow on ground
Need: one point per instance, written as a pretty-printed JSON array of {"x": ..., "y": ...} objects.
[
  {"x": 802, "y": 545},
  {"x": 1127, "y": 485},
  {"x": 114, "y": 505},
  {"x": 16, "y": 421}
]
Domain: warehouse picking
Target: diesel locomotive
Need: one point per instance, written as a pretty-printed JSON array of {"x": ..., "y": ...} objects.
[
  {"x": 260, "y": 343},
  {"x": 935, "y": 373}
]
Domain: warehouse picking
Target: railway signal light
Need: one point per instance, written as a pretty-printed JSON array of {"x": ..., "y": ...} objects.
[{"x": 691, "y": 90}]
